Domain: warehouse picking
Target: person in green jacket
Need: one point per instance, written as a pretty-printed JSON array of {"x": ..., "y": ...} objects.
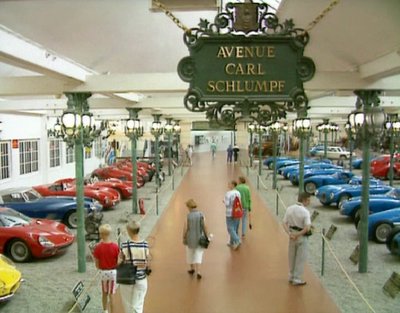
[{"x": 245, "y": 198}]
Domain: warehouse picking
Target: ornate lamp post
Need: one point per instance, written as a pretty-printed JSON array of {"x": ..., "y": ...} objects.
[
  {"x": 275, "y": 127},
  {"x": 324, "y": 128},
  {"x": 251, "y": 128},
  {"x": 333, "y": 128},
  {"x": 78, "y": 129},
  {"x": 261, "y": 129},
  {"x": 301, "y": 128},
  {"x": 133, "y": 130},
  {"x": 177, "y": 132},
  {"x": 156, "y": 131},
  {"x": 367, "y": 120},
  {"x": 169, "y": 130},
  {"x": 392, "y": 127},
  {"x": 350, "y": 131}
]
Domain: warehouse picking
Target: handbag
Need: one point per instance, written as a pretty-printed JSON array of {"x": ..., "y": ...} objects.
[
  {"x": 203, "y": 240},
  {"x": 237, "y": 209},
  {"x": 126, "y": 271}
]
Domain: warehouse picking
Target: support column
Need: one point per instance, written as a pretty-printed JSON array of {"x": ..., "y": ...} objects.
[{"x": 242, "y": 140}]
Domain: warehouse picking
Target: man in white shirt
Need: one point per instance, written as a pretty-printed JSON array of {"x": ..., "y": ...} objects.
[
  {"x": 297, "y": 224},
  {"x": 232, "y": 224}
]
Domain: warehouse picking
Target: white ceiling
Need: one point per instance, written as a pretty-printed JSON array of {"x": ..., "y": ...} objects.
[{"x": 357, "y": 40}]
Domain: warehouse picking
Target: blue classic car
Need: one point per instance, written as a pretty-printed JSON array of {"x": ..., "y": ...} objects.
[
  {"x": 311, "y": 183},
  {"x": 316, "y": 148},
  {"x": 313, "y": 169},
  {"x": 31, "y": 203},
  {"x": 330, "y": 194},
  {"x": 269, "y": 162},
  {"x": 381, "y": 224},
  {"x": 393, "y": 241},
  {"x": 377, "y": 203}
]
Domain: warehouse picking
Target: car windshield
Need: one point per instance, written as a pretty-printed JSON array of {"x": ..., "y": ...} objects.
[
  {"x": 10, "y": 218},
  {"x": 32, "y": 195},
  {"x": 394, "y": 193}
]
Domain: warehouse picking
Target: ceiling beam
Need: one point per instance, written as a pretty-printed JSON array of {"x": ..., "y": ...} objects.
[
  {"x": 16, "y": 50},
  {"x": 148, "y": 83},
  {"x": 384, "y": 66}
]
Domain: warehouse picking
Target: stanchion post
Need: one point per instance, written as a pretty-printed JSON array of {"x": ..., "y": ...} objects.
[
  {"x": 258, "y": 182},
  {"x": 323, "y": 253},
  {"x": 119, "y": 236},
  {"x": 157, "y": 200},
  {"x": 173, "y": 179},
  {"x": 277, "y": 202}
]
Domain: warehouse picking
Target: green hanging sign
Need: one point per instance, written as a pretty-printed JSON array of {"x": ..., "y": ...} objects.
[{"x": 245, "y": 60}]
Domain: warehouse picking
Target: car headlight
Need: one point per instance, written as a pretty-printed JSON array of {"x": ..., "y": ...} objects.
[
  {"x": 316, "y": 192},
  {"x": 44, "y": 242},
  {"x": 331, "y": 195}
]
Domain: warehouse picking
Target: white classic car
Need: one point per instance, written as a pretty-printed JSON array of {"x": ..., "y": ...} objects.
[{"x": 334, "y": 153}]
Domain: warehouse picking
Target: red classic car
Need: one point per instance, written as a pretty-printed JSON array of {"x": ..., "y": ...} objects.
[
  {"x": 113, "y": 172},
  {"x": 127, "y": 166},
  {"x": 22, "y": 237},
  {"x": 123, "y": 187},
  {"x": 379, "y": 166},
  {"x": 107, "y": 197}
]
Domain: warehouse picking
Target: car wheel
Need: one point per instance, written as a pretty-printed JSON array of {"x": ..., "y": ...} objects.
[
  {"x": 343, "y": 198},
  {"x": 19, "y": 251},
  {"x": 310, "y": 188},
  {"x": 71, "y": 219},
  {"x": 392, "y": 244},
  {"x": 343, "y": 157},
  {"x": 382, "y": 231}
]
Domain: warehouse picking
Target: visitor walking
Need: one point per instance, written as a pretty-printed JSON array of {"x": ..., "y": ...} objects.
[
  {"x": 232, "y": 224},
  {"x": 229, "y": 154},
  {"x": 297, "y": 224},
  {"x": 193, "y": 229},
  {"x": 235, "y": 152},
  {"x": 135, "y": 251},
  {"x": 245, "y": 198},
  {"x": 190, "y": 154},
  {"x": 213, "y": 148},
  {"x": 106, "y": 259}
]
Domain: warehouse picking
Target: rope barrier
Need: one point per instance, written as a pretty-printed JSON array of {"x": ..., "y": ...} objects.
[
  {"x": 346, "y": 274},
  {"x": 326, "y": 241}
]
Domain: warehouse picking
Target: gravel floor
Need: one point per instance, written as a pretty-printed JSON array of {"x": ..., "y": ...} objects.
[
  {"x": 49, "y": 282},
  {"x": 381, "y": 263}
]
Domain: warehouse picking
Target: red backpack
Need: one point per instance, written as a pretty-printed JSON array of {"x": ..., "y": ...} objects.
[{"x": 237, "y": 209}]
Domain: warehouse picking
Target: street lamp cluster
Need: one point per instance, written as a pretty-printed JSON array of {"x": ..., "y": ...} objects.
[{"x": 326, "y": 127}]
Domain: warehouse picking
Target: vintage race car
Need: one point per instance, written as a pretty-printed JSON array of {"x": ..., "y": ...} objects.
[
  {"x": 107, "y": 197},
  {"x": 22, "y": 237},
  {"x": 113, "y": 172},
  {"x": 29, "y": 202},
  {"x": 393, "y": 241},
  {"x": 336, "y": 194},
  {"x": 123, "y": 187},
  {"x": 377, "y": 203},
  {"x": 311, "y": 183},
  {"x": 380, "y": 166},
  {"x": 381, "y": 224},
  {"x": 269, "y": 162},
  {"x": 316, "y": 148},
  {"x": 10, "y": 278},
  {"x": 288, "y": 171},
  {"x": 313, "y": 169}
]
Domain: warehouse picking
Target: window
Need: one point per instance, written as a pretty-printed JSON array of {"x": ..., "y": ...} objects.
[
  {"x": 4, "y": 160},
  {"x": 98, "y": 147},
  {"x": 88, "y": 153},
  {"x": 28, "y": 156},
  {"x": 55, "y": 151},
  {"x": 70, "y": 155}
]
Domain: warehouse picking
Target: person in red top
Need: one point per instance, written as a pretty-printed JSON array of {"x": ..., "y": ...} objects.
[{"x": 106, "y": 258}]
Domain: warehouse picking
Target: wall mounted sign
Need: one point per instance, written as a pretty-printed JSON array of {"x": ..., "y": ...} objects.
[{"x": 244, "y": 62}]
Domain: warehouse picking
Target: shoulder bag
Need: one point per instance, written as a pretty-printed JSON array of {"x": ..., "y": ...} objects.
[
  {"x": 204, "y": 242},
  {"x": 126, "y": 271}
]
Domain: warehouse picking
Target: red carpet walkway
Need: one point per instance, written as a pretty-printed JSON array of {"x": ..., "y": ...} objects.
[{"x": 252, "y": 279}]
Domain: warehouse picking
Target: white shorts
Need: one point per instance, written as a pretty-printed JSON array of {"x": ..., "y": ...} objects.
[
  {"x": 194, "y": 256},
  {"x": 108, "y": 281}
]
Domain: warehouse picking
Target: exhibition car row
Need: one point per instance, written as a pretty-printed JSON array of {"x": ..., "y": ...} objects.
[
  {"x": 335, "y": 185},
  {"x": 35, "y": 222}
]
